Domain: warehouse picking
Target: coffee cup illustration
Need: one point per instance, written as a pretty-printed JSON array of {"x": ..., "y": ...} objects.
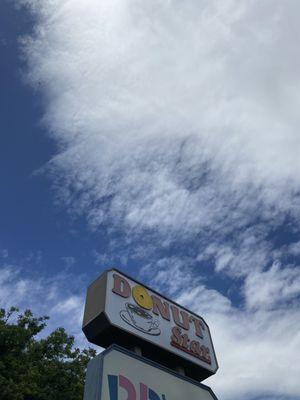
[{"x": 140, "y": 319}]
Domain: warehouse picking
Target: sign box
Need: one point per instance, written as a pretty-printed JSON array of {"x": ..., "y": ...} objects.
[
  {"x": 117, "y": 374},
  {"x": 120, "y": 310}
]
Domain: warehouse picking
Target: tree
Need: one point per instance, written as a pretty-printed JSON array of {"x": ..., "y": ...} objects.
[{"x": 48, "y": 368}]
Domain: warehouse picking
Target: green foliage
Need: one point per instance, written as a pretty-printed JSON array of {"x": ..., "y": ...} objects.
[{"x": 39, "y": 369}]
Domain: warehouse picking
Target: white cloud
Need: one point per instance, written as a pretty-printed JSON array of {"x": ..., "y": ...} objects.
[
  {"x": 257, "y": 349},
  {"x": 179, "y": 120},
  {"x": 247, "y": 252},
  {"x": 205, "y": 300},
  {"x": 171, "y": 115},
  {"x": 258, "y": 353},
  {"x": 294, "y": 248},
  {"x": 159, "y": 274},
  {"x": 272, "y": 288},
  {"x": 257, "y": 345}
]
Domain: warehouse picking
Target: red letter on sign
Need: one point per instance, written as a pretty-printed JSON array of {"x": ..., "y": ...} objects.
[
  {"x": 121, "y": 286},
  {"x": 199, "y": 326},
  {"x": 143, "y": 392},
  {"x": 184, "y": 323},
  {"x": 176, "y": 336},
  {"x": 128, "y": 386}
]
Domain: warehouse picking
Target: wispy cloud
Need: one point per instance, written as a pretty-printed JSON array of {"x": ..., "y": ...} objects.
[
  {"x": 177, "y": 124},
  {"x": 257, "y": 345},
  {"x": 273, "y": 288}
]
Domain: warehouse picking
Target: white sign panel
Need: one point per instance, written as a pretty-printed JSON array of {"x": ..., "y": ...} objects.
[
  {"x": 119, "y": 309},
  {"x": 119, "y": 375},
  {"x": 148, "y": 315}
]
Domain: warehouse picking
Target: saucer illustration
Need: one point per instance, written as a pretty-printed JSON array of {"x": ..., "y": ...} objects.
[{"x": 140, "y": 319}]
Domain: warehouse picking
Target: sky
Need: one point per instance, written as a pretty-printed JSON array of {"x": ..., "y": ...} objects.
[{"x": 161, "y": 138}]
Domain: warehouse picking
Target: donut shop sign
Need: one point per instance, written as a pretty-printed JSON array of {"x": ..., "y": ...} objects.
[{"x": 120, "y": 310}]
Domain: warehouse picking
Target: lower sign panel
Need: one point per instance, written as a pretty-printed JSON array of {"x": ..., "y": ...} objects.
[{"x": 117, "y": 374}]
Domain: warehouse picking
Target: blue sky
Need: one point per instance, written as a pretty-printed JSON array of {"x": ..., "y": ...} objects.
[
  {"x": 31, "y": 223},
  {"x": 163, "y": 139}
]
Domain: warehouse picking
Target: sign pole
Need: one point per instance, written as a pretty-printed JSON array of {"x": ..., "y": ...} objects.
[
  {"x": 180, "y": 370},
  {"x": 137, "y": 350}
]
